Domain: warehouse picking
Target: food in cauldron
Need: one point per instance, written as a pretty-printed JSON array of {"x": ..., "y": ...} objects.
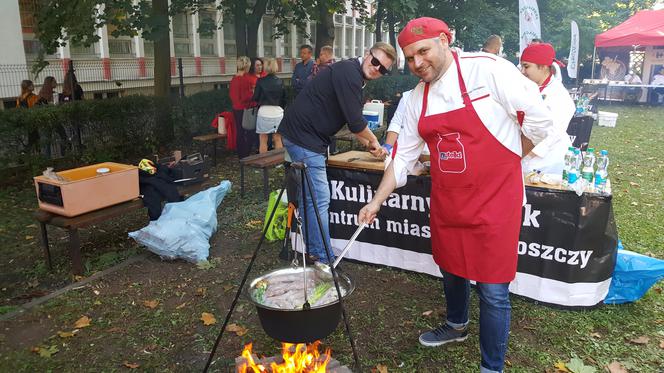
[{"x": 286, "y": 292}]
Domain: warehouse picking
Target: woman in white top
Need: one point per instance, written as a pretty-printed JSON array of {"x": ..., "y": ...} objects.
[{"x": 537, "y": 62}]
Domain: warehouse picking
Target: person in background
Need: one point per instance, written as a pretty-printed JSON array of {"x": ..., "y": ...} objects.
[
  {"x": 71, "y": 90},
  {"x": 28, "y": 98},
  {"x": 393, "y": 130},
  {"x": 493, "y": 45},
  {"x": 325, "y": 59},
  {"x": 632, "y": 94},
  {"x": 549, "y": 155},
  {"x": 240, "y": 91},
  {"x": 470, "y": 109},
  {"x": 656, "y": 92},
  {"x": 47, "y": 90},
  {"x": 256, "y": 71},
  {"x": 303, "y": 69},
  {"x": 325, "y": 105},
  {"x": 558, "y": 75},
  {"x": 271, "y": 98}
]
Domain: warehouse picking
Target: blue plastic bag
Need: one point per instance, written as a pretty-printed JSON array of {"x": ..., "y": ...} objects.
[
  {"x": 633, "y": 276},
  {"x": 184, "y": 228}
]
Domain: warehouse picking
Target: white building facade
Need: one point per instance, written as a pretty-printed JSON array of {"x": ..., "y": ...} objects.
[{"x": 120, "y": 66}]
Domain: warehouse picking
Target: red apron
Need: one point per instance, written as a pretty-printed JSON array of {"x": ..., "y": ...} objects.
[{"x": 476, "y": 194}]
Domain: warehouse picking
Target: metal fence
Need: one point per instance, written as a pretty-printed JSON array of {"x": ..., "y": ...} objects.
[{"x": 120, "y": 74}]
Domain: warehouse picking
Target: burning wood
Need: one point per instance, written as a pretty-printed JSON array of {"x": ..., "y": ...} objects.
[{"x": 295, "y": 358}]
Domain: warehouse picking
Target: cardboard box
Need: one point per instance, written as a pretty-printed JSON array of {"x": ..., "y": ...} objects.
[{"x": 84, "y": 189}]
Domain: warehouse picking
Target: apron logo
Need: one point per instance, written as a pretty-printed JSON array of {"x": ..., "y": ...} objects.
[{"x": 451, "y": 153}]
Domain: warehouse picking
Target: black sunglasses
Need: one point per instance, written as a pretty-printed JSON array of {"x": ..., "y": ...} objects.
[{"x": 382, "y": 69}]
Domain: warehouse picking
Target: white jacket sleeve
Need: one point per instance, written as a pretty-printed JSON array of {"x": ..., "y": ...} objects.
[
  {"x": 410, "y": 143},
  {"x": 516, "y": 93}
]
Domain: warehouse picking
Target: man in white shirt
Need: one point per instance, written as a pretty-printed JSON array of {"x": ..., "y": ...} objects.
[
  {"x": 470, "y": 109},
  {"x": 632, "y": 94},
  {"x": 656, "y": 92}
]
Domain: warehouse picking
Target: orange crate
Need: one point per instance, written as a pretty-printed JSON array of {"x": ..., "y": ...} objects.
[{"x": 84, "y": 190}]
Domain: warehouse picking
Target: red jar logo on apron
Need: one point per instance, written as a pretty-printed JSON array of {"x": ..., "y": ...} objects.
[{"x": 451, "y": 153}]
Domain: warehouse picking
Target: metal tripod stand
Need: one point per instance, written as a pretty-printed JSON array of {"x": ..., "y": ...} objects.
[{"x": 305, "y": 180}]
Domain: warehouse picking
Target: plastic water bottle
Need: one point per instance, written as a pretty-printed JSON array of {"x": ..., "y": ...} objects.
[
  {"x": 588, "y": 169},
  {"x": 573, "y": 172},
  {"x": 579, "y": 108},
  {"x": 602, "y": 173},
  {"x": 566, "y": 167}
]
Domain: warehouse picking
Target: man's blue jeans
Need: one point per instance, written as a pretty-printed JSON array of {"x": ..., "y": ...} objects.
[
  {"x": 317, "y": 175},
  {"x": 495, "y": 313}
]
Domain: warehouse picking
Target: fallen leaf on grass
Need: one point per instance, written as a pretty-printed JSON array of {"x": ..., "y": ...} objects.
[
  {"x": 78, "y": 278},
  {"x": 82, "y": 322},
  {"x": 634, "y": 203},
  {"x": 208, "y": 319},
  {"x": 227, "y": 287},
  {"x": 642, "y": 340},
  {"x": 561, "y": 367},
  {"x": 28, "y": 238},
  {"x": 45, "y": 351},
  {"x": 254, "y": 223},
  {"x": 576, "y": 365},
  {"x": 151, "y": 303},
  {"x": 237, "y": 329},
  {"x": 380, "y": 368},
  {"x": 661, "y": 344},
  {"x": 181, "y": 306},
  {"x": 201, "y": 292},
  {"x": 634, "y": 184},
  {"x": 595, "y": 335},
  {"x": 616, "y": 367},
  {"x": 204, "y": 264},
  {"x": 427, "y": 313},
  {"x": 248, "y": 256},
  {"x": 131, "y": 365},
  {"x": 66, "y": 334}
]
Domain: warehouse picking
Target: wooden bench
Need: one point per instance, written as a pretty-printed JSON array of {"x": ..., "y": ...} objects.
[
  {"x": 74, "y": 223},
  {"x": 264, "y": 161},
  {"x": 212, "y": 138}
]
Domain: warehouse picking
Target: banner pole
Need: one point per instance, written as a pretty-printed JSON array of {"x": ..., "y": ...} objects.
[{"x": 592, "y": 73}]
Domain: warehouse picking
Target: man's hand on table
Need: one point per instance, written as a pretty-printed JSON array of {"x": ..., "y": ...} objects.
[{"x": 377, "y": 150}]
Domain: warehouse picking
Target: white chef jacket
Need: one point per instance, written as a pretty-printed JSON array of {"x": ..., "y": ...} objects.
[
  {"x": 397, "y": 119},
  {"x": 507, "y": 91},
  {"x": 549, "y": 155}
]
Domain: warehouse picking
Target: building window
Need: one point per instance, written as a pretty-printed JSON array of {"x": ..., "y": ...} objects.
[
  {"x": 28, "y": 10},
  {"x": 208, "y": 41},
  {"x": 182, "y": 35},
  {"x": 268, "y": 41},
  {"x": 120, "y": 47},
  {"x": 229, "y": 40},
  {"x": 349, "y": 42}
]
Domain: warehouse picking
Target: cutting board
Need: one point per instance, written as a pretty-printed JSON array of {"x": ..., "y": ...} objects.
[{"x": 356, "y": 159}]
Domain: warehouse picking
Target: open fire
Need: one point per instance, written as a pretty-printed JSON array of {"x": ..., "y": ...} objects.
[{"x": 295, "y": 358}]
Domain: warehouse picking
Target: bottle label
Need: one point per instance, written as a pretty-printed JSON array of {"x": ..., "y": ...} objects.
[
  {"x": 572, "y": 177},
  {"x": 588, "y": 175}
]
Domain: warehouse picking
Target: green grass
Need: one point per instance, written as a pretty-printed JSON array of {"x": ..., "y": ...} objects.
[{"x": 387, "y": 310}]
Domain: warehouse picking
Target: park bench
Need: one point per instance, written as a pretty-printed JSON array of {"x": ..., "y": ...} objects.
[
  {"x": 73, "y": 224},
  {"x": 263, "y": 161},
  {"x": 213, "y": 139}
]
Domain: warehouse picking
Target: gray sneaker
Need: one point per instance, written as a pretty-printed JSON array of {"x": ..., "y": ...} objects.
[{"x": 443, "y": 334}]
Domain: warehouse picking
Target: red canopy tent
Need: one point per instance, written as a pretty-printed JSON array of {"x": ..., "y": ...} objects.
[{"x": 643, "y": 28}]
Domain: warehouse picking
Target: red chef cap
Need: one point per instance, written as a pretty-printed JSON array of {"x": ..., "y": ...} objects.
[
  {"x": 423, "y": 28},
  {"x": 541, "y": 54}
]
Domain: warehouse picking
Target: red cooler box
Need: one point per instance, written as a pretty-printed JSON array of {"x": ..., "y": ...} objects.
[{"x": 87, "y": 188}]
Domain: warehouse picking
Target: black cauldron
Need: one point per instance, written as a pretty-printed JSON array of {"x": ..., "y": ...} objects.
[{"x": 301, "y": 326}]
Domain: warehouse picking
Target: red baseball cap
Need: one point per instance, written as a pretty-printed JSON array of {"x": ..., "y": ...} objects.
[
  {"x": 541, "y": 54},
  {"x": 423, "y": 28}
]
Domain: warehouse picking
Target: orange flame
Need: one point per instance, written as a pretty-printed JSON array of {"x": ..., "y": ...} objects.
[{"x": 297, "y": 358}]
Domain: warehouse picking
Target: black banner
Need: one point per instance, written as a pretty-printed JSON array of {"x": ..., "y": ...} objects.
[
  {"x": 579, "y": 130},
  {"x": 566, "y": 246}
]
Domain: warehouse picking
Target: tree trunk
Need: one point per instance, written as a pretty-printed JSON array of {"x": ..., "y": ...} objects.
[
  {"x": 324, "y": 28},
  {"x": 162, "y": 49},
  {"x": 379, "y": 20},
  {"x": 240, "y": 24},
  {"x": 162, "y": 72},
  {"x": 253, "y": 21}
]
